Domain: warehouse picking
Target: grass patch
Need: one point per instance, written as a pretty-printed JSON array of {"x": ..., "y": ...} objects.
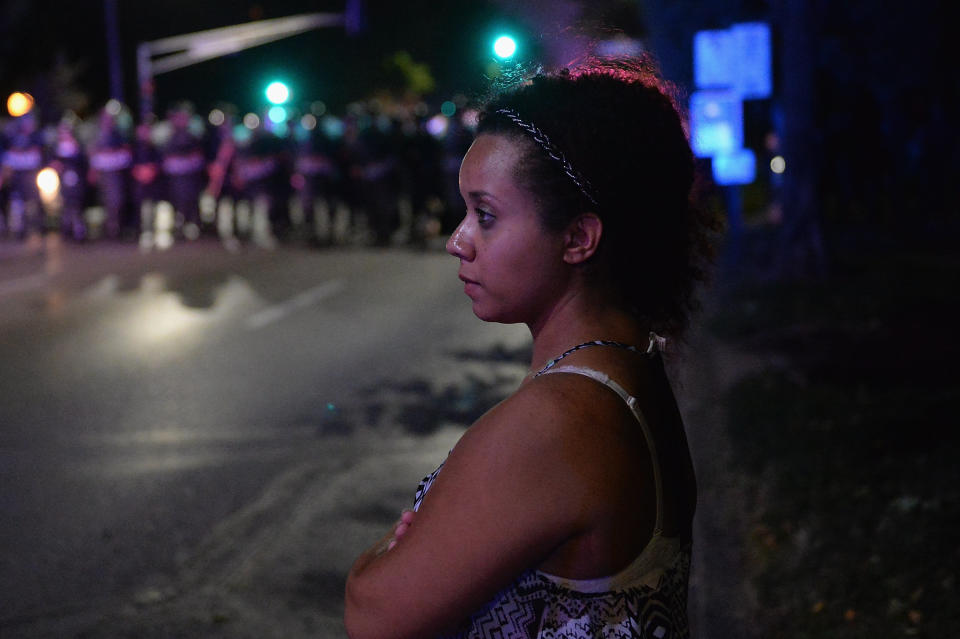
[{"x": 853, "y": 448}]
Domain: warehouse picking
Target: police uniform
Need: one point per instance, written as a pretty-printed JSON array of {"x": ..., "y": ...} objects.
[
  {"x": 147, "y": 186},
  {"x": 110, "y": 161},
  {"x": 21, "y": 163},
  {"x": 71, "y": 163},
  {"x": 183, "y": 167},
  {"x": 260, "y": 173},
  {"x": 371, "y": 169},
  {"x": 316, "y": 165}
]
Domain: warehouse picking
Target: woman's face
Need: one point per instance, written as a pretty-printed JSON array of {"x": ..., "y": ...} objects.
[{"x": 512, "y": 267}]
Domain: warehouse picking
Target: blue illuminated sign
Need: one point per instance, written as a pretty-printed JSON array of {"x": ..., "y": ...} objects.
[
  {"x": 751, "y": 41},
  {"x": 713, "y": 64},
  {"x": 729, "y": 66},
  {"x": 737, "y": 58},
  {"x": 716, "y": 122},
  {"x": 736, "y": 167}
]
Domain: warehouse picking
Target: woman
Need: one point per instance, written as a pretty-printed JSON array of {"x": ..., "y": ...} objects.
[{"x": 566, "y": 510}]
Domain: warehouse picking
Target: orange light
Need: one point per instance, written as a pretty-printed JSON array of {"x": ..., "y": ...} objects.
[
  {"x": 19, "y": 104},
  {"x": 49, "y": 184}
]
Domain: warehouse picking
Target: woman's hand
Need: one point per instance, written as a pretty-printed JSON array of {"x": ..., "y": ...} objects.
[
  {"x": 389, "y": 540},
  {"x": 401, "y": 527}
]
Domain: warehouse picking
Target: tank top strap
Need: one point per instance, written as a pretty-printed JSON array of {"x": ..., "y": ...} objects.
[{"x": 634, "y": 407}]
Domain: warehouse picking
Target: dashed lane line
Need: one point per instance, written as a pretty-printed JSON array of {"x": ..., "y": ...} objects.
[{"x": 307, "y": 298}]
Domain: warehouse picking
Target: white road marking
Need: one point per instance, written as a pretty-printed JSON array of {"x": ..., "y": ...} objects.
[
  {"x": 309, "y": 297},
  {"x": 22, "y": 284}
]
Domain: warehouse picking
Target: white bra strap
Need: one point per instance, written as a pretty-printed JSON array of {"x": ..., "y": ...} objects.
[{"x": 634, "y": 407}]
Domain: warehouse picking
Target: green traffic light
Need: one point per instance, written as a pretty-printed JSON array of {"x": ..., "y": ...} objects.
[
  {"x": 504, "y": 46},
  {"x": 277, "y": 92}
]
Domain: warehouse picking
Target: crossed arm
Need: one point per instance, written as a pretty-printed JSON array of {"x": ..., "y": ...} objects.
[{"x": 503, "y": 502}]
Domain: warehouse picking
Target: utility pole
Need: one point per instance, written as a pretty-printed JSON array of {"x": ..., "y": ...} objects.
[{"x": 113, "y": 49}]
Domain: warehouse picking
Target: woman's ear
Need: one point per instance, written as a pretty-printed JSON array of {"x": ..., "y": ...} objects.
[{"x": 582, "y": 238}]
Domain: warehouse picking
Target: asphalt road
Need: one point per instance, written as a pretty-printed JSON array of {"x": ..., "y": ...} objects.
[{"x": 198, "y": 442}]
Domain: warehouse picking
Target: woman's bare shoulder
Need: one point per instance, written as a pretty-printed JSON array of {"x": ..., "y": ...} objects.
[
  {"x": 539, "y": 410},
  {"x": 565, "y": 424}
]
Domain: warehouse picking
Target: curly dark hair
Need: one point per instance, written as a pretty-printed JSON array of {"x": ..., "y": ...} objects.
[{"x": 608, "y": 137}]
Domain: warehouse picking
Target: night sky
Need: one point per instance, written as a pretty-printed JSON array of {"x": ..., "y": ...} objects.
[{"x": 57, "y": 50}]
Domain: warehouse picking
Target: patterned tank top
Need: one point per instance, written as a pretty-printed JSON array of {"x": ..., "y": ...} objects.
[{"x": 647, "y": 599}]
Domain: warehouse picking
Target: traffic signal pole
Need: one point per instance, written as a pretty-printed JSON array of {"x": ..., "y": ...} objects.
[{"x": 176, "y": 52}]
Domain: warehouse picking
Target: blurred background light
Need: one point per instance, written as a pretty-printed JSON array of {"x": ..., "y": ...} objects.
[
  {"x": 469, "y": 118},
  {"x": 277, "y": 114},
  {"x": 308, "y": 122},
  {"x": 19, "y": 104},
  {"x": 49, "y": 184},
  {"x": 504, "y": 46},
  {"x": 738, "y": 58},
  {"x": 437, "y": 125},
  {"x": 734, "y": 167},
  {"x": 620, "y": 46},
  {"x": 251, "y": 120},
  {"x": 778, "y": 164},
  {"x": 113, "y": 107},
  {"x": 333, "y": 127},
  {"x": 216, "y": 117},
  {"x": 716, "y": 122},
  {"x": 242, "y": 133},
  {"x": 277, "y": 92},
  {"x": 448, "y": 108}
]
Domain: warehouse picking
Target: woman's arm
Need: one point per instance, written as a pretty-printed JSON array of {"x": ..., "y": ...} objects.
[
  {"x": 387, "y": 542},
  {"x": 504, "y": 501}
]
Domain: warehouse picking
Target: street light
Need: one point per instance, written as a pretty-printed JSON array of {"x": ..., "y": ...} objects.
[
  {"x": 19, "y": 104},
  {"x": 504, "y": 46},
  {"x": 277, "y": 92}
]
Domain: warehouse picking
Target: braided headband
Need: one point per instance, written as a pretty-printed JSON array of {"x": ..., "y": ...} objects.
[{"x": 555, "y": 154}]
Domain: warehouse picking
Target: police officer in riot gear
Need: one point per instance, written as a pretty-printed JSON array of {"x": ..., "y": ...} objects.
[
  {"x": 21, "y": 163},
  {"x": 110, "y": 162},
  {"x": 70, "y": 162},
  {"x": 315, "y": 176},
  {"x": 184, "y": 166}
]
